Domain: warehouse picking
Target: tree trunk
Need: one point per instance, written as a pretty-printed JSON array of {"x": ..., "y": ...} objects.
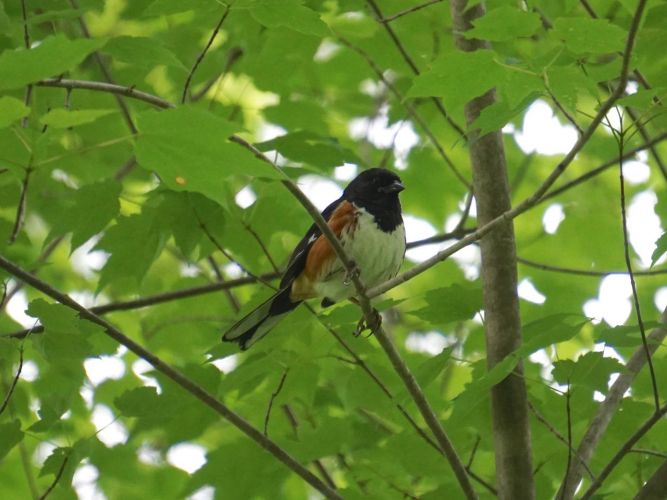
[{"x": 511, "y": 431}]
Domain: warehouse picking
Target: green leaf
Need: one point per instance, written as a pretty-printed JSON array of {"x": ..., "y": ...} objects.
[
  {"x": 11, "y": 110},
  {"x": 139, "y": 402},
  {"x": 589, "y": 36},
  {"x": 458, "y": 77},
  {"x": 134, "y": 243},
  {"x": 286, "y": 13},
  {"x": 92, "y": 208},
  {"x": 10, "y": 435},
  {"x": 591, "y": 370},
  {"x": 660, "y": 249},
  {"x": 142, "y": 51},
  {"x": 64, "y": 118},
  {"x": 227, "y": 469},
  {"x": 449, "y": 304},
  {"x": 311, "y": 149},
  {"x": 67, "y": 338},
  {"x": 623, "y": 336},
  {"x": 503, "y": 24},
  {"x": 55, "y": 55},
  {"x": 189, "y": 149},
  {"x": 169, "y": 7}
]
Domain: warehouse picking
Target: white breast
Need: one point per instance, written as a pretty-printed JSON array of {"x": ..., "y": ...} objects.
[{"x": 377, "y": 254}]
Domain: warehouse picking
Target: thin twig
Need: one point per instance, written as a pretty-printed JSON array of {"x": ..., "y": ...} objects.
[
  {"x": 106, "y": 73},
  {"x": 15, "y": 381},
  {"x": 372, "y": 320},
  {"x": 222, "y": 250},
  {"x": 584, "y": 272},
  {"x": 560, "y": 437},
  {"x": 176, "y": 376},
  {"x": 409, "y": 11},
  {"x": 411, "y": 111},
  {"x": 163, "y": 104},
  {"x": 565, "y": 112},
  {"x": 627, "y": 446},
  {"x": 472, "y": 474},
  {"x": 410, "y": 62},
  {"x": 23, "y": 200},
  {"x": 26, "y": 43},
  {"x": 535, "y": 198},
  {"x": 605, "y": 166},
  {"x": 233, "y": 56},
  {"x": 628, "y": 263},
  {"x": 275, "y": 394},
  {"x": 202, "y": 54},
  {"x": 644, "y": 451},
  {"x": 56, "y": 479},
  {"x": 261, "y": 244},
  {"x": 609, "y": 406},
  {"x": 111, "y": 88},
  {"x": 568, "y": 414},
  {"x": 161, "y": 298},
  {"x": 231, "y": 298}
]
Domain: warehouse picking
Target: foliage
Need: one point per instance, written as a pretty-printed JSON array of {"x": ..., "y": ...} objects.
[{"x": 109, "y": 199}]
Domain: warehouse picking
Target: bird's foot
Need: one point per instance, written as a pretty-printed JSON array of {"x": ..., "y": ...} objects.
[
  {"x": 351, "y": 275},
  {"x": 364, "y": 325}
]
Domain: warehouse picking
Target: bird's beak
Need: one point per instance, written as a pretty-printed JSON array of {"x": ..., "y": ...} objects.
[{"x": 394, "y": 187}]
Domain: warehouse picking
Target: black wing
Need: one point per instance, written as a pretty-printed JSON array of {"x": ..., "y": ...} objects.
[{"x": 297, "y": 261}]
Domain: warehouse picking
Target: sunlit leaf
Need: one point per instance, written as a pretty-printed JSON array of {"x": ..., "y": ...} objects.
[{"x": 53, "y": 56}]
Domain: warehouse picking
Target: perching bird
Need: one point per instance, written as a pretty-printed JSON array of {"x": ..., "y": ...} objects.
[{"x": 367, "y": 219}]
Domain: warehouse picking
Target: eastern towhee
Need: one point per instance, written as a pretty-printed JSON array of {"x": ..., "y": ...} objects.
[{"x": 367, "y": 219}]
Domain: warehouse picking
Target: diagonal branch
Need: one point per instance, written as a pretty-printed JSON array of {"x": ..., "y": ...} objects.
[
  {"x": 372, "y": 320},
  {"x": 627, "y": 446},
  {"x": 411, "y": 111},
  {"x": 202, "y": 54},
  {"x": 410, "y": 62},
  {"x": 175, "y": 375},
  {"x": 410, "y": 10},
  {"x": 656, "y": 486},
  {"x": 106, "y": 73},
  {"x": 608, "y": 407},
  {"x": 536, "y": 197}
]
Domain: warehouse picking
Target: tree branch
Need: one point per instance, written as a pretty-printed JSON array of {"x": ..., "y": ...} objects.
[
  {"x": 15, "y": 380},
  {"x": 111, "y": 88},
  {"x": 125, "y": 111},
  {"x": 176, "y": 376},
  {"x": 26, "y": 43},
  {"x": 628, "y": 264},
  {"x": 540, "y": 192},
  {"x": 627, "y": 446},
  {"x": 23, "y": 200},
  {"x": 584, "y": 272},
  {"x": 275, "y": 394},
  {"x": 409, "y": 11},
  {"x": 408, "y": 60},
  {"x": 559, "y": 436},
  {"x": 608, "y": 407},
  {"x": 372, "y": 321},
  {"x": 411, "y": 111},
  {"x": 202, "y": 54},
  {"x": 656, "y": 486},
  {"x": 56, "y": 479}
]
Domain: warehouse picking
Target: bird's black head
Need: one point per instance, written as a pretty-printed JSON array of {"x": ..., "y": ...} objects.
[{"x": 376, "y": 190}]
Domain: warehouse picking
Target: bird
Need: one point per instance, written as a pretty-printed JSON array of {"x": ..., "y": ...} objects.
[{"x": 367, "y": 219}]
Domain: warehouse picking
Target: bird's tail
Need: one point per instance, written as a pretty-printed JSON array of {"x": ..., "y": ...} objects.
[{"x": 258, "y": 322}]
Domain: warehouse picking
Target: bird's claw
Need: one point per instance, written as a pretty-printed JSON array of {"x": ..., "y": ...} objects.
[
  {"x": 351, "y": 275},
  {"x": 364, "y": 325}
]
